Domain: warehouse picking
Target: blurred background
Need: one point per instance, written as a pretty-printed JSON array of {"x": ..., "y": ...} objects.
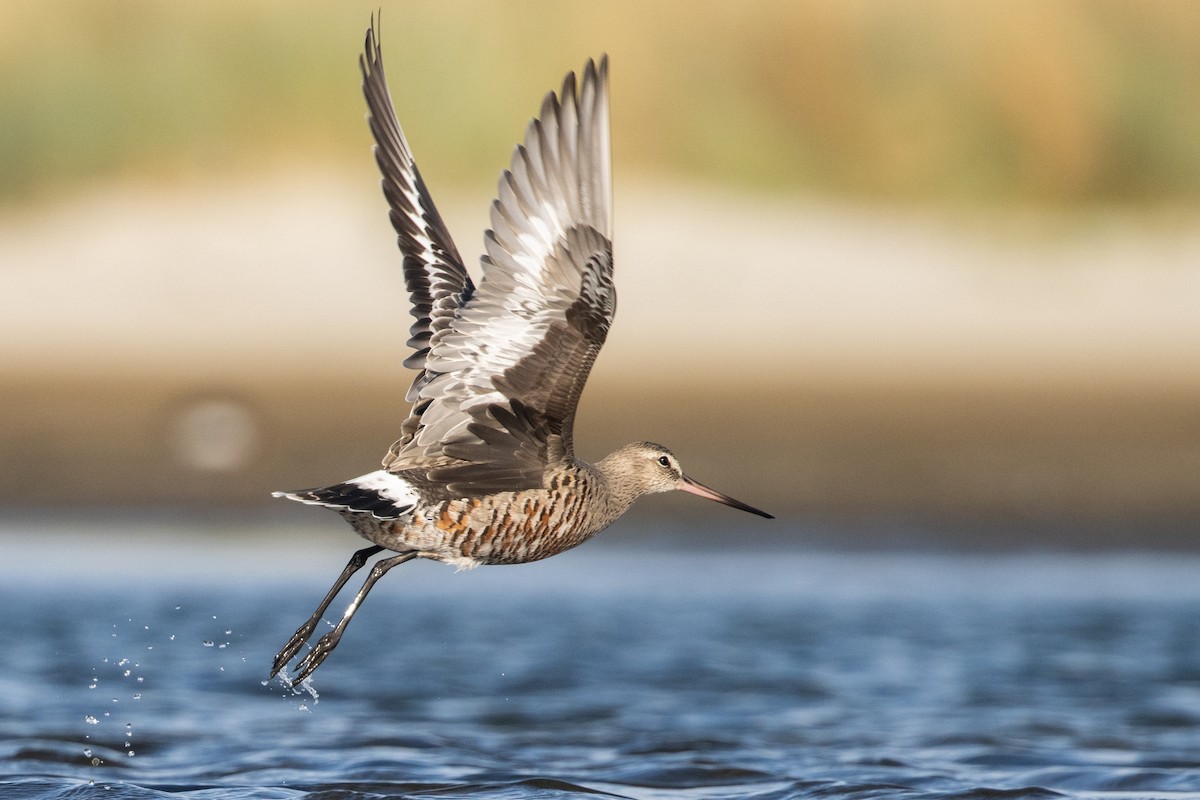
[{"x": 901, "y": 272}]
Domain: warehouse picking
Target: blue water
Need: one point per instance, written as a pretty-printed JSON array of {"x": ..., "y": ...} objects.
[{"x": 134, "y": 667}]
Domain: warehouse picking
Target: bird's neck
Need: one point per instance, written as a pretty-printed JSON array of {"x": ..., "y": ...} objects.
[{"x": 619, "y": 488}]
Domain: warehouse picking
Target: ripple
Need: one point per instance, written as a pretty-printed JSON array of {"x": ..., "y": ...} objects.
[{"x": 746, "y": 694}]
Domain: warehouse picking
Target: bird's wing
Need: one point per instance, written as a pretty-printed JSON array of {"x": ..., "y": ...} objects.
[
  {"x": 437, "y": 281},
  {"x": 506, "y": 376}
]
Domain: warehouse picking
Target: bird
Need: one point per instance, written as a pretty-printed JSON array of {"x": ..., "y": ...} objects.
[{"x": 485, "y": 470}]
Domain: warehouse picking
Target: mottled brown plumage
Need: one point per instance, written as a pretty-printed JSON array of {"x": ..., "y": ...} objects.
[{"x": 485, "y": 471}]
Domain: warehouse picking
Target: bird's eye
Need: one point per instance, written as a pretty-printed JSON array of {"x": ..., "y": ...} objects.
[{"x": 666, "y": 462}]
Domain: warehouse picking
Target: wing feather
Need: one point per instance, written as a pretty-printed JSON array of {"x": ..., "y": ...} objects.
[
  {"x": 434, "y": 274},
  {"x": 504, "y": 377}
]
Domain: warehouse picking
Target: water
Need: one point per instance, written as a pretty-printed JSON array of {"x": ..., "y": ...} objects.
[{"x": 135, "y": 670}]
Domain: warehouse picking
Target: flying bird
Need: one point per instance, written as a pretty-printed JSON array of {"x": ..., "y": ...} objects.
[{"x": 485, "y": 471}]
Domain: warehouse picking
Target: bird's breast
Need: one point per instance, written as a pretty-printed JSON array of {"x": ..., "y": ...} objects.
[{"x": 503, "y": 528}]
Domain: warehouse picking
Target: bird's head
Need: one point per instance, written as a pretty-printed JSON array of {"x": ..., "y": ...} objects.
[{"x": 651, "y": 468}]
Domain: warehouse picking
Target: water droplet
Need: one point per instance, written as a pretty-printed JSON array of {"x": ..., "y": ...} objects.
[
  {"x": 92, "y": 686},
  {"x": 122, "y": 662},
  {"x": 107, "y": 714},
  {"x": 228, "y": 632},
  {"x": 90, "y": 720},
  {"x": 223, "y": 645},
  {"x": 128, "y": 729},
  {"x": 172, "y": 637},
  {"x": 131, "y": 754},
  {"x": 140, "y": 679},
  {"x": 126, "y": 675},
  {"x": 178, "y": 607},
  {"x": 208, "y": 643},
  {"x": 137, "y": 695},
  {"x": 95, "y": 763},
  {"x": 87, "y": 751}
]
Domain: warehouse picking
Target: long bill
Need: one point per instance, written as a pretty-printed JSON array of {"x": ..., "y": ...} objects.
[{"x": 686, "y": 484}]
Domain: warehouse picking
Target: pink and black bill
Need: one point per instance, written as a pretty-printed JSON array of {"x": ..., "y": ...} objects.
[{"x": 697, "y": 488}]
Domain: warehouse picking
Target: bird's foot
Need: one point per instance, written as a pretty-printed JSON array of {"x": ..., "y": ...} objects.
[
  {"x": 293, "y": 646},
  {"x": 313, "y": 658}
]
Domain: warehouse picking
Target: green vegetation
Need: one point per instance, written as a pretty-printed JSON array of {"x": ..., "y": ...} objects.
[{"x": 1059, "y": 102}]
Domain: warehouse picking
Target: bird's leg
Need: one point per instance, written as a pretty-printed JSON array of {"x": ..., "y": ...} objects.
[
  {"x": 306, "y": 630},
  {"x": 326, "y": 643}
]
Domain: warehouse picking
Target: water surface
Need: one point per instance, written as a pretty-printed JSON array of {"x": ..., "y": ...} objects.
[{"x": 135, "y": 666}]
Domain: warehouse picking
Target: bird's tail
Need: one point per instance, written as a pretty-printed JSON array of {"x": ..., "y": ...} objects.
[{"x": 381, "y": 494}]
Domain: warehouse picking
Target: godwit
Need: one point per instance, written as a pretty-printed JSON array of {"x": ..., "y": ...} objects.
[{"x": 485, "y": 469}]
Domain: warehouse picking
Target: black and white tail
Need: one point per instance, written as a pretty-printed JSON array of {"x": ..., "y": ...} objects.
[{"x": 380, "y": 494}]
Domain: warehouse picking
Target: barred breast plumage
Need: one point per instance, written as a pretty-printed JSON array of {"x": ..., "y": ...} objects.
[{"x": 501, "y": 528}]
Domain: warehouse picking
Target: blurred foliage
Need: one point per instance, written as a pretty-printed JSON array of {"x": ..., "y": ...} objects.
[{"x": 1052, "y": 102}]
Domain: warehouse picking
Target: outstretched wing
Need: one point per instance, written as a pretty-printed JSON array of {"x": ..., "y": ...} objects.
[
  {"x": 505, "y": 377},
  {"x": 433, "y": 271}
]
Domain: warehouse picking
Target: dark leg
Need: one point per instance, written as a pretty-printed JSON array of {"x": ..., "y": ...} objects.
[
  {"x": 306, "y": 630},
  {"x": 326, "y": 643}
]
